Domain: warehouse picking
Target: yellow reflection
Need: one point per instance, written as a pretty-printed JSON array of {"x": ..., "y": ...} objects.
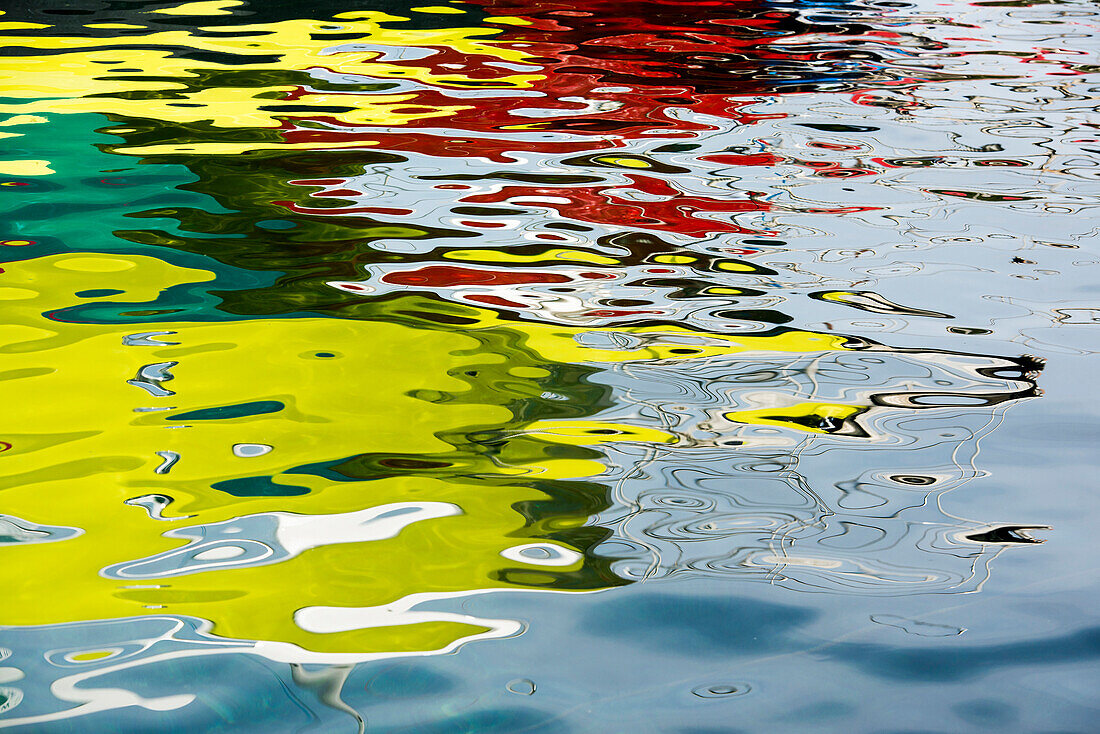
[
  {"x": 347, "y": 388},
  {"x": 238, "y": 419},
  {"x": 211, "y": 7},
  {"x": 108, "y": 75},
  {"x": 25, "y": 168},
  {"x": 504, "y": 256},
  {"x": 438, "y": 9}
]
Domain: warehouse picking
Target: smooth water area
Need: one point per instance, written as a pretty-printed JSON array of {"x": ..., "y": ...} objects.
[{"x": 691, "y": 367}]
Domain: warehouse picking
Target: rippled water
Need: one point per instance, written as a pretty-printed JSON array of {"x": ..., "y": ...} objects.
[{"x": 351, "y": 348}]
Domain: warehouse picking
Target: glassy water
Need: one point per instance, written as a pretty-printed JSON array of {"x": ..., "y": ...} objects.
[{"x": 663, "y": 366}]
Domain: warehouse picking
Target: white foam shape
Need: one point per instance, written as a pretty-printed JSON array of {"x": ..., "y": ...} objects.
[
  {"x": 220, "y": 553},
  {"x": 299, "y": 533},
  {"x": 326, "y": 620},
  {"x": 385, "y": 53},
  {"x": 120, "y": 571},
  {"x": 540, "y": 200},
  {"x": 10, "y": 675},
  {"x": 542, "y": 554},
  {"x": 145, "y": 339},
  {"x": 323, "y": 620},
  {"x": 248, "y": 450},
  {"x": 295, "y": 533}
]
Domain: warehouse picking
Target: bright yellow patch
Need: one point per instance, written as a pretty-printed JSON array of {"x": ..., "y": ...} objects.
[
  {"x": 504, "y": 256},
  {"x": 94, "y": 264},
  {"x": 22, "y": 120},
  {"x": 507, "y": 20},
  {"x": 75, "y": 78},
  {"x": 16, "y": 26},
  {"x": 209, "y": 7},
  {"x": 624, "y": 162},
  {"x": 440, "y": 9},
  {"x": 25, "y": 168},
  {"x": 736, "y": 267},
  {"x": 16, "y": 294},
  {"x": 84, "y": 657}
]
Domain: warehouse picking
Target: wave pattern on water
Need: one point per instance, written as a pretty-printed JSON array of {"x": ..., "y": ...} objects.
[{"x": 328, "y": 324}]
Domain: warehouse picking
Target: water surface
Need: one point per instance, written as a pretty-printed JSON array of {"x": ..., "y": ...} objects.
[{"x": 672, "y": 366}]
